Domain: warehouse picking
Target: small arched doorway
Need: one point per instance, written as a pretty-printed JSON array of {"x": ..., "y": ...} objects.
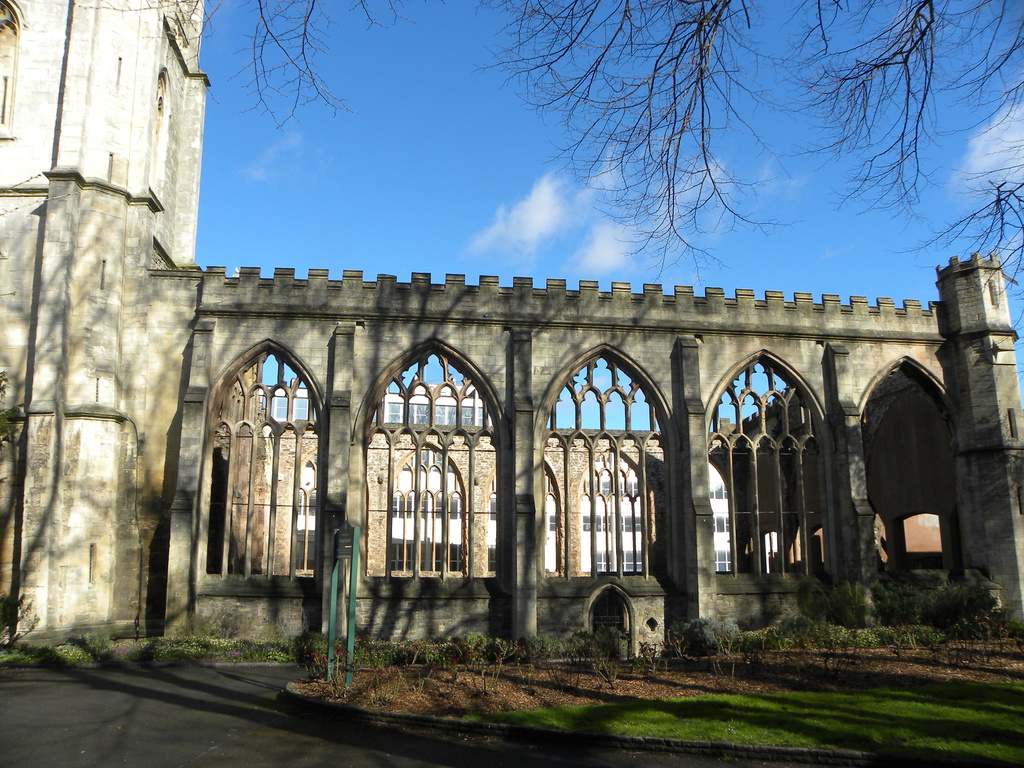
[{"x": 609, "y": 611}]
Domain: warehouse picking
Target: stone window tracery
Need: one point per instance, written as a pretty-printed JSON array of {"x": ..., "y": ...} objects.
[
  {"x": 432, "y": 511},
  {"x": 8, "y": 64},
  {"x": 603, "y": 460},
  {"x": 765, "y": 475},
  {"x": 262, "y": 505}
]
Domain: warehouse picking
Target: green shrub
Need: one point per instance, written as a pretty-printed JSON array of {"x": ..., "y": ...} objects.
[
  {"x": 611, "y": 642},
  {"x": 795, "y": 631},
  {"x": 16, "y": 656},
  {"x": 124, "y": 650},
  {"x": 535, "y": 648},
  {"x": 371, "y": 652},
  {"x": 500, "y": 650},
  {"x": 310, "y": 650},
  {"x": 96, "y": 646},
  {"x": 606, "y": 643},
  {"x": 475, "y": 645},
  {"x": 442, "y": 653},
  {"x": 1013, "y": 630},
  {"x": 847, "y": 605},
  {"x": 866, "y": 638},
  {"x": 704, "y": 637},
  {"x": 62, "y": 654},
  {"x": 190, "y": 648},
  {"x": 754, "y": 643},
  {"x": 960, "y": 608},
  {"x": 844, "y": 603},
  {"x": 897, "y": 604},
  {"x": 834, "y": 637}
]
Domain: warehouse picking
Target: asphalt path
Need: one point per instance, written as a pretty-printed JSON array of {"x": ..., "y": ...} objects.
[{"x": 206, "y": 717}]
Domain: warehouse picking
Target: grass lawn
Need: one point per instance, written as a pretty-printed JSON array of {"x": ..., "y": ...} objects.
[{"x": 962, "y": 719}]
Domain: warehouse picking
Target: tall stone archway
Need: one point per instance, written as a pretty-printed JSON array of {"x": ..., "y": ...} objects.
[{"x": 908, "y": 447}]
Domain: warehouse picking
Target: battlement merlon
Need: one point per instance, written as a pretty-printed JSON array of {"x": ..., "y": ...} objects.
[
  {"x": 318, "y": 296},
  {"x": 974, "y": 296}
]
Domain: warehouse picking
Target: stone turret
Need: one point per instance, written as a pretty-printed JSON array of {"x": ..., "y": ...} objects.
[{"x": 982, "y": 375}]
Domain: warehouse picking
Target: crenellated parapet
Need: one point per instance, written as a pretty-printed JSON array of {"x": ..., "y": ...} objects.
[
  {"x": 974, "y": 261},
  {"x": 653, "y": 307}
]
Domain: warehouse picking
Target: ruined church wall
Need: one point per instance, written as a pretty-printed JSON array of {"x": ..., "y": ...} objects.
[{"x": 481, "y": 324}]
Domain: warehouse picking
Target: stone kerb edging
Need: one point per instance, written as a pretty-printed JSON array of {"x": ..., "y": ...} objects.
[{"x": 532, "y": 733}]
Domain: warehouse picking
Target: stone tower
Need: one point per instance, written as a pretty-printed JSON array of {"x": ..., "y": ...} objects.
[
  {"x": 100, "y": 142},
  {"x": 990, "y": 443}
]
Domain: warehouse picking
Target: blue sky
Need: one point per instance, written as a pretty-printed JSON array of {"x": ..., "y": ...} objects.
[{"x": 441, "y": 168}]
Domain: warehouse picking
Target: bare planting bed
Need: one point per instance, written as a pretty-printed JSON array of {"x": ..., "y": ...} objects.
[{"x": 454, "y": 691}]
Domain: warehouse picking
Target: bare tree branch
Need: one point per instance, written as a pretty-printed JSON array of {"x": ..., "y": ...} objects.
[
  {"x": 288, "y": 41},
  {"x": 645, "y": 89},
  {"x": 876, "y": 98},
  {"x": 649, "y": 90},
  {"x": 995, "y": 225}
]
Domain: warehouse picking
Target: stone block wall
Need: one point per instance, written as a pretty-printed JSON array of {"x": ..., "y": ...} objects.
[
  {"x": 117, "y": 347},
  {"x": 686, "y": 347}
]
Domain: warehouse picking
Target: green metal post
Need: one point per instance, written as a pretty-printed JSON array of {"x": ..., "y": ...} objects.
[
  {"x": 332, "y": 628},
  {"x": 353, "y": 583}
]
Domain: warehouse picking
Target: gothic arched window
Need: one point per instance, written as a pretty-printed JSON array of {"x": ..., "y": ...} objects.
[
  {"x": 603, "y": 474},
  {"x": 8, "y": 64},
  {"x": 765, "y": 468},
  {"x": 263, "y": 475},
  {"x": 431, "y": 511},
  {"x": 161, "y": 128}
]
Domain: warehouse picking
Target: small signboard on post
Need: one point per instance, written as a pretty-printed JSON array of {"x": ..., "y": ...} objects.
[
  {"x": 343, "y": 543},
  {"x": 346, "y": 548}
]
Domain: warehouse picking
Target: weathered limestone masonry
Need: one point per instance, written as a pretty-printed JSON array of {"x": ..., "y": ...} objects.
[
  {"x": 100, "y": 139},
  {"x": 520, "y": 345},
  {"x": 520, "y": 459}
]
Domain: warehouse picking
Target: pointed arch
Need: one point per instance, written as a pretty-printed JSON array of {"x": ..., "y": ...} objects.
[
  {"x": 792, "y": 376},
  {"x": 908, "y": 434},
  {"x": 161, "y": 129},
  {"x": 261, "y": 349},
  {"x": 263, "y": 447},
  {"x": 651, "y": 393},
  {"x": 604, "y": 462},
  {"x": 927, "y": 380},
  {"x": 431, "y": 407},
  {"x": 610, "y": 608},
  {"x": 393, "y": 373},
  {"x": 764, "y": 435}
]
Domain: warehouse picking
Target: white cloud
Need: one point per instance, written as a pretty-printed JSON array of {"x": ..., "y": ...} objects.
[
  {"x": 545, "y": 212},
  {"x": 607, "y": 249},
  {"x": 998, "y": 145},
  {"x": 268, "y": 165},
  {"x": 558, "y": 219}
]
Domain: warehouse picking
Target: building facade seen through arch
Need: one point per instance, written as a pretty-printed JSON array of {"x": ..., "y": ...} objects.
[
  {"x": 765, "y": 460},
  {"x": 431, "y": 458},
  {"x": 264, "y": 455}
]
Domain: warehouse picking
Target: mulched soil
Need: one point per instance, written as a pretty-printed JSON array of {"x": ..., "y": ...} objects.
[{"x": 449, "y": 692}]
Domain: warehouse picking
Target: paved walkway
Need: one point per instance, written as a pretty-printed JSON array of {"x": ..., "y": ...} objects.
[{"x": 206, "y": 717}]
